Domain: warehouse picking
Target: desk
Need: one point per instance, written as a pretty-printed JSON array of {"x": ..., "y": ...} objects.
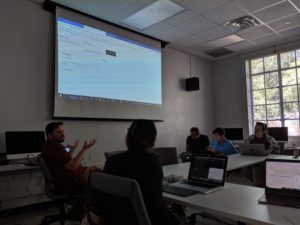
[
  {"x": 234, "y": 201},
  {"x": 20, "y": 185},
  {"x": 17, "y": 168},
  {"x": 239, "y": 203},
  {"x": 236, "y": 161}
]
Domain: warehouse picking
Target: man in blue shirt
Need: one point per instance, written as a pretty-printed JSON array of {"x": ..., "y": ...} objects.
[{"x": 221, "y": 144}]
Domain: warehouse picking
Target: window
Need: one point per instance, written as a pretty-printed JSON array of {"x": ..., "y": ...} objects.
[{"x": 274, "y": 90}]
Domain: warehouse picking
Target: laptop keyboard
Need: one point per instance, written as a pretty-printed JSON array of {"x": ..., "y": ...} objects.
[
  {"x": 198, "y": 184},
  {"x": 178, "y": 190},
  {"x": 283, "y": 200}
]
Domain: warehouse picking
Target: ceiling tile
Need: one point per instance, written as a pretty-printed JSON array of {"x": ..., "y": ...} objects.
[
  {"x": 276, "y": 12},
  {"x": 255, "y": 32},
  {"x": 268, "y": 39},
  {"x": 181, "y": 17},
  {"x": 200, "y": 54},
  {"x": 292, "y": 32},
  {"x": 297, "y": 3},
  {"x": 189, "y": 41},
  {"x": 195, "y": 25},
  {"x": 157, "y": 28},
  {"x": 286, "y": 22},
  {"x": 214, "y": 33},
  {"x": 172, "y": 34},
  {"x": 203, "y": 5},
  {"x": 113, "y": 10},
  {"x": 203, "y": 47},
  {"x": 225, "y": 13},
  {"x": 240, "y": 46},
  {"x": 254, "y": 5}
]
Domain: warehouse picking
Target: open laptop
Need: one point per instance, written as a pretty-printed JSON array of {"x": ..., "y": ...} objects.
[
  {"x": 252, "y": 149},
  {"x": 206, "y": 174},
  {"x": 282, "y": 183}
]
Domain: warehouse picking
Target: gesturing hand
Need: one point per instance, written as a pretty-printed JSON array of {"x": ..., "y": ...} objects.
[
  {"x": 74, "y": 145},
  {"x": 89, "y": 144}
]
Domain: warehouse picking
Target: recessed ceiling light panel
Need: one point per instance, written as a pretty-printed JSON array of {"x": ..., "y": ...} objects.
[
  {"x": 228, "y": 40},
  {"x": 152, "y": 14}
]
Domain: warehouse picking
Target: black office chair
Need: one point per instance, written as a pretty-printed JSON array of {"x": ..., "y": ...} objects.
[
  {"x": 60, "y": 200},
  {"x": 110, "y": 154},
  {"x": 168, "y": 155},
  {"x": 118, "y": 200}
]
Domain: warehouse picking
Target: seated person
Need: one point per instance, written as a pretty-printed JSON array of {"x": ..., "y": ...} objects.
[
  {"x": 196, "y": 142},
  {"x": 221, "y": 144},
  {"x": 141, "y": 164},
  {"x": 68, "y": 174},
  {"x": 261, "y": 136}
]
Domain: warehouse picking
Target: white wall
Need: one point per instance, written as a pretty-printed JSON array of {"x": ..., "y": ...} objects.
[
  {"x": 229, "y": 88},
  {"x": 27, "y": 73}
]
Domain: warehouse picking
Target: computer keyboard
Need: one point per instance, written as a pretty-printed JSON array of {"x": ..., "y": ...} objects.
[
  {"x": 280, "y": 200},
  {"x": 197, "y": 184},
  {"x": 178, "y": 190},
  {"x": 284, "y": 201}
]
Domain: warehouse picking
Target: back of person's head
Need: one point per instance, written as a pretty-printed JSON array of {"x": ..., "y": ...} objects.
[
  {"x": 141, "y": 135},
  {"x": 195, "y": 130},
  {"x": 52, "y": 126},
  {"x": 219, "y": 131}
]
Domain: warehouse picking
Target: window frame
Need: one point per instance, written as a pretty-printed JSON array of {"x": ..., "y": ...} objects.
[{"x": 281, "y": 103}]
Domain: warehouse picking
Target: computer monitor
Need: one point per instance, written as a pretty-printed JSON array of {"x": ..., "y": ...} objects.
[
  {"x": 279, "y": 133},
  {"x": 234, "y": 134},
  {"x": 23, "y": 143}
]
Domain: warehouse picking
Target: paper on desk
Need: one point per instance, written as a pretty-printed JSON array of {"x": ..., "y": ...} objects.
[{"x": 294, "y": 219}]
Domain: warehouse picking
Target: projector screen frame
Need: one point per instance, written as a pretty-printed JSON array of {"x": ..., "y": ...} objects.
[{"x": 51, "y": 6}]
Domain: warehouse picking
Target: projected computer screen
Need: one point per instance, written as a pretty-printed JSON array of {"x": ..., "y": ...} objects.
[{"x": 96, "y": 65}]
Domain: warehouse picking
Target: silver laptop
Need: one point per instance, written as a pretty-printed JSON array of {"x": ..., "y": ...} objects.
[
  {"x": 206, "y": 174},
  {"x": 282, "y": 183},
  {"x": 252, "y": 149}
]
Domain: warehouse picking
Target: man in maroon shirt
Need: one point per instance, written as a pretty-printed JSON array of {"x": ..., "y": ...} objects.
[{"x": 65, "y": 167}]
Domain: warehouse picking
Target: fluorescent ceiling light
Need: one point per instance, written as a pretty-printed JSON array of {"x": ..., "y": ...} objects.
[
  {"x": 228, "y": 40},
  {"x": 152, "y": 14}
]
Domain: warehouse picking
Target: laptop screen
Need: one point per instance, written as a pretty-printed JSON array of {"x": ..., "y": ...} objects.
[
  {"x": 208, "y": 169},
  {"x": 284, "y": 175}
]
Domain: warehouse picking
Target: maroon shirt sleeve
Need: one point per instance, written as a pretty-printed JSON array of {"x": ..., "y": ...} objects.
[
  {"x": 61, "y": 156},
  {"x": 56, "y": 152}
]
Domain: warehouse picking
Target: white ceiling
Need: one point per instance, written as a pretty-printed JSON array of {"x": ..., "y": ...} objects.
[{"x": 202, "y": 21}]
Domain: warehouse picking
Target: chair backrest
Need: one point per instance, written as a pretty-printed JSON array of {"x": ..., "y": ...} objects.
[
  {"x": 168, "y": 155},
  {"x": 49, "y": 187},
  {"x": 118, "y": 199},
  {"x": 110, "y": 154}
]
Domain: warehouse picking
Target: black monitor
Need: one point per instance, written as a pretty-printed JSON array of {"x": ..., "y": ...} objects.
[
  {"x": 279, "y": 133},
  {"x": 24, "y": 142},
  {"x": 235, "y": 134}
]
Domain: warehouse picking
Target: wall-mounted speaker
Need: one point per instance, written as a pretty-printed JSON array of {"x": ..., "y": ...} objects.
[{"x": 192, "y": 84}]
